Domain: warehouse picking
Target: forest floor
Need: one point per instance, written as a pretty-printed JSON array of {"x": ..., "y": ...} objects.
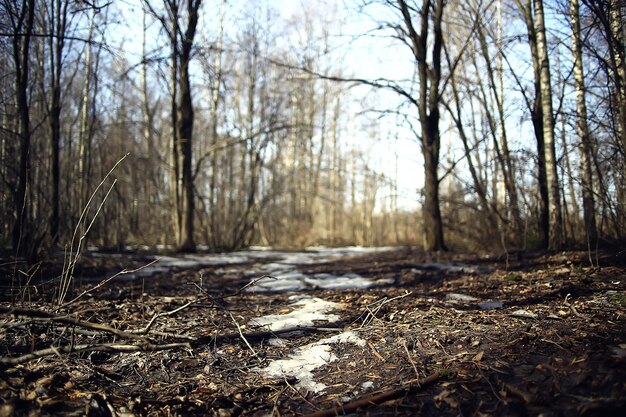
[{"x": 395, "y": 332}]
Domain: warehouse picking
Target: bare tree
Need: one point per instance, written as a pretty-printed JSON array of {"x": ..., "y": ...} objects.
[
  {"x": 57, "y": 13},
  {"x": 427, "y": 103},
  {"x": 554, "y": 200},
  {"x": 22, "y": 14},
  {"x": 536, "y": 111},
  {"x": 582, "y": 128},
  {"x": 180, "y": 27}
]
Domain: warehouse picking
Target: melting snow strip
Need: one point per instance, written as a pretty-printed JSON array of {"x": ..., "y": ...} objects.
[
  {"x": 306, "y": 359},
  {"x": 280, "y": 261},
  {"x": 294, "y": 280},
  {"x": 307, "y": 311}
]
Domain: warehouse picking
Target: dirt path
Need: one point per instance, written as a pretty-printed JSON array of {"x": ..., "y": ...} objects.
[{"x": 462, "y": 335}]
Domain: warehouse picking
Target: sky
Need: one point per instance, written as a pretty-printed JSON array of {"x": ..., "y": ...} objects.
[{"x": 393, "y": 152}]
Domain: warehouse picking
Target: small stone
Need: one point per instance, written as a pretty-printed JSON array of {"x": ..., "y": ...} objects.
[
  {"x": 525, "y": 314},
  {"x": 490, "y": 305}
]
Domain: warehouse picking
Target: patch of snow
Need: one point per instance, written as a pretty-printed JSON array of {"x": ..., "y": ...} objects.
[
  {"x": 453, "y": 297},
  {"x": 346, "y": 337},
  {"x": 301, "y": 366},
  {"x": 272, "y": 267},
  {"x": 306, "y": 359},
  {"x": 282, "y": 285},
  {"x": 332, "y": 282},
  {"x": 277, "y": 341},
  {"x": 293, "y": 280},
  {"x": 307, "y": 311},
  {"x": 151, "y": 270},
  {"x": 367, "y": 385},
  {"x": 176, "y": 262},
  {"x": 281, "y": 264}
]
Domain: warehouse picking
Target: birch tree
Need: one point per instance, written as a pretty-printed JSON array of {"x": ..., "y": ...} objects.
[
  {"x": 589, "y": 214},
  {"x": 536, "y": 111},
  {"x": 552, "y": 179}
]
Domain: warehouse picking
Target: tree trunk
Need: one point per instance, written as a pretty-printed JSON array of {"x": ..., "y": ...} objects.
[
  {"x": 536, "y": 111},
  {"x": 589, "y": 216},
  {"x": 429, "y": 77},
  {"x": 84, "y": 133},
  {"x": 501, "y": 142},
  {"x": 58, "y": 24},
  {"x": 431, "y": 212},
  {"x": 554, "y": 198},
  {"x": 55, "y": 138},
  {"x": 618, "y": 53},
  {"x": 185, "y": 132},
  {"x": 23, "y": 28}
]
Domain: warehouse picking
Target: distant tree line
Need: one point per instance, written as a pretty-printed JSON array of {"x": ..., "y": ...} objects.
[{"x": 239, "y": 125}]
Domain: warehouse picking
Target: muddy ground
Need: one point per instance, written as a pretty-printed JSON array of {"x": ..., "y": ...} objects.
[{"x": 534, "y": 334}]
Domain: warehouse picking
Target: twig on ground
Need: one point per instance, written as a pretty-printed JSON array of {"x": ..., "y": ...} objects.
[
  {"x": 241, "y": 333},
  {"x": 375, "y": 352},
  {"x": 45, "y": 316},
  {"x": 261, "y": 335},
  {"x": 408, "y": 355},
  {"x": 483, "y": 376},
  {"x": 101, "y": 347},
  {"x": 106, "y": 281},
  {"x": 377, "y": 398},
  {"x": 252, "y": 283},
  {"x": 371, "y": 315},
  {"x": 163, "y": 314},
  {"x": 299, "y": 394},
  {"x": 233, "y": 294}
]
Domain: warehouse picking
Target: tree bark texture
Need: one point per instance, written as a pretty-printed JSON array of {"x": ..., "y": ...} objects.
[
  {"x": 582, "y": 128},
  {"x": 185, "y": 131},
  {"x": 537, "y": 121},
  {"x": 429, "y": 78},
  {"x": 23, "y": 28},
  {"x": 554, "y": 195}
]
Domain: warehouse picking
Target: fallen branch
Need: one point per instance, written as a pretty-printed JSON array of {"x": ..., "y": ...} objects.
[
  {"x": 261, "y": 334},
  {"x": 164, "y": 314},
  {"x": 371, "y": 315},
  {"x": 101, "y": 347},
  {"x": 208, "y": 296},
  {"x": 45, "y": 316},
  {"x": 243, "y": 337},
  {"x": 377, "y": 398}
]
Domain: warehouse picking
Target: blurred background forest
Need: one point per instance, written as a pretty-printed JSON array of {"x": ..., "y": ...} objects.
[{"x": 221, "y": 124}]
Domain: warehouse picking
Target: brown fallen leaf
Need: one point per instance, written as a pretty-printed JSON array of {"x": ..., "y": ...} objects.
[
  {"x": 446, "y": 397},
  {"x": 479, "y": 356},
  {"x": 7, "y": 410}
]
